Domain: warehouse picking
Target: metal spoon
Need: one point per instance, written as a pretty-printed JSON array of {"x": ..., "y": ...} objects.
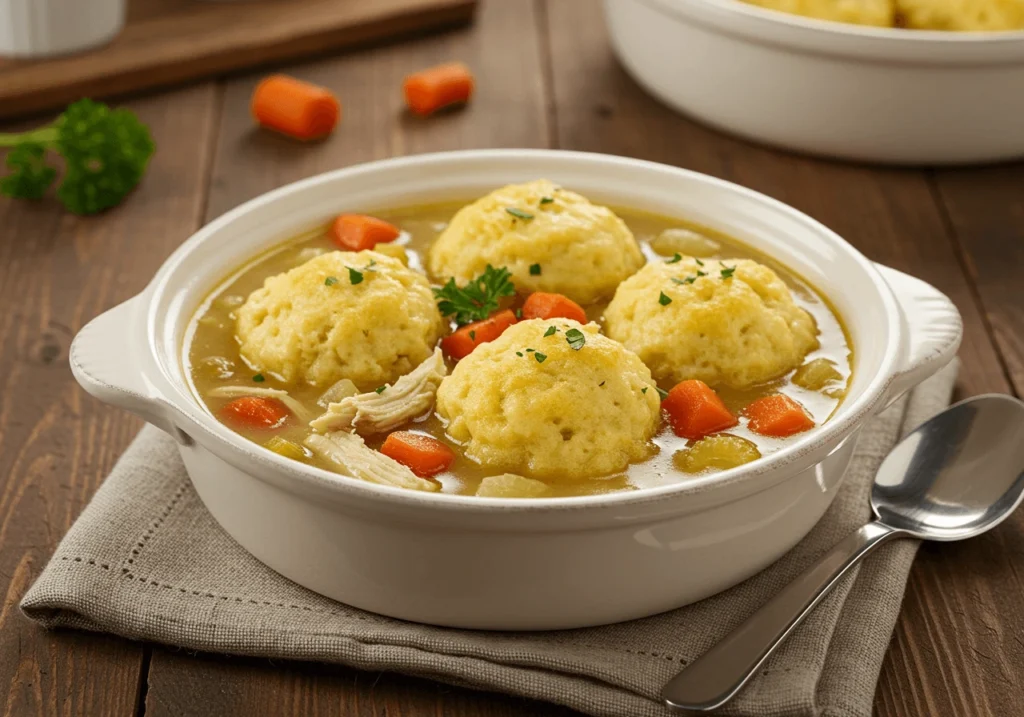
[{"x": 956, "y": 476}]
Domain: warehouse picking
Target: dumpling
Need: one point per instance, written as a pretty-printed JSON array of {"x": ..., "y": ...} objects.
[
  {"x": 728, "y": 323},
  {"x": 551, "y": 239}
]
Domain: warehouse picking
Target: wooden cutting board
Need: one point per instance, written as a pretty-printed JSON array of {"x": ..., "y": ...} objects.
[{"x": 171, "y": 41}]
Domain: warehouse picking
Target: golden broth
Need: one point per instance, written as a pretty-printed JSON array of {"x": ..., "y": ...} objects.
[{"x": 213, "y": 357}]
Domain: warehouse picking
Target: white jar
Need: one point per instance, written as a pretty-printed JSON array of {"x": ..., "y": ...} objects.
[{"x": 42, "y": 28}]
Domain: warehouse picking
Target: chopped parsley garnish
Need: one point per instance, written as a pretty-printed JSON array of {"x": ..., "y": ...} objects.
[
  {"x": 539, "y": 356},
  {"x": 477, "y": 299},
  {"x": 676, "y": 258},
  {"x": 663, "y": 394},
  {"x": 601, "y": 384},
  {"x": 550, "y": 332},
  {"x": 534, "y": 269},
  {"x": 699, "y": 262},
  {"x": 643, "y": 390},
  {"x": 529, "y": 350},
  {"x": 472, "y": 335},
  {"x": 576, "y": 338},
  {"x": 519, "y": 353},
  {"x": 258, "y": 378},
  {"x": 518, "y": 213},
  {"x": 519, "y": 313},
  {"x": 330, "y": 281},
  {"x": 546, "y": 200},
  {"x": 727, "y": 271},
  {"x": 380, "y": 389},
  {"x": 664, "y": 300},
  {"x": 689, "y": 279},
  {"x": 355, "y": 276}
]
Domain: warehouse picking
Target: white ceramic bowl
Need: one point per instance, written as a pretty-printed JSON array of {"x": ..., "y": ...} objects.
[
  {"x": 45, "y": 28},
  {"x": 848, "y": 91},
  {"x": 513, "y": 564}
]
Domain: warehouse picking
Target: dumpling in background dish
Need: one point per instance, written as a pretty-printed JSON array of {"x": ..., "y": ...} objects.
[
  {"x": 963, "y": 15},
  {"x": 362, "y": 316},
  {"x": 565, "y": 404},
  {"x": 551, "y": 239},
  {"x": 881, "y": 13},
  {"x": 727, "y": 323}
]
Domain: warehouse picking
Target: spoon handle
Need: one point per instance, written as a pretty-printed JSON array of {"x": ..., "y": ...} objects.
[{"x": 716, "y": 676}]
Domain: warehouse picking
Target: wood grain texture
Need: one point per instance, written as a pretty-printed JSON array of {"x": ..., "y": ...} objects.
[
  {"x": 959, "y": 644},
  {"x": 170, "y": 41},
  {"x": 57, "y": 271}
]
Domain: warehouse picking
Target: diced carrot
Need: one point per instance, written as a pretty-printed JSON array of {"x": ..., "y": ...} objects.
[
  {"x": 429, "y": 90},
  {"x": 777, "y": 416},
  {"x": 355, "y": 232},
  {"x": 466, "y": 338},
  {"x": 695, "y": 410},
  {"x": 255, "y": 412},
  {"x": 423, "y": 455},
  {"x": 540, "y": 305},
  {"x": 295, "y": 108}
]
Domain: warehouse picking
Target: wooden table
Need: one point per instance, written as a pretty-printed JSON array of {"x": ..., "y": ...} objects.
[{"x": 548, "y": 79}]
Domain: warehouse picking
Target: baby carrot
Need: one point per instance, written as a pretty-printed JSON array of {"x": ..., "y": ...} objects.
[
  {"x": 355, "y": 232},
  {"x": 541, "y": 305},
  {"x": 423, "y": 455},
  {"x": 429, "y": 90},
  {"x": 295, "y": 108},
  {"x": 466, "y": 338}
]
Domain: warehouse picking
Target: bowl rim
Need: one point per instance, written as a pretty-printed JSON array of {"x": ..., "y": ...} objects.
[{"x": 290, "y": 474}]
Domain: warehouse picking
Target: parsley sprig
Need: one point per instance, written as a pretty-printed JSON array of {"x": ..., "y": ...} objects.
[{"x": 477, "y": 299}]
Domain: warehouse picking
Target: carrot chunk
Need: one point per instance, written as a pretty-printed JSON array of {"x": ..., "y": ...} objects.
[
  {"x": 777, "y": 416},
  {"x": 540, "y": 305},
  {"x": 295, "y": 108},
  {"x": 255, "y": 412},
  {"x": 695, "y": 410},
  {"x": 429, "y": 90},
  {"x": 355, "y": 232},
  {"x": 423, "y": 455},
  {"x": 466, "y": 338}
]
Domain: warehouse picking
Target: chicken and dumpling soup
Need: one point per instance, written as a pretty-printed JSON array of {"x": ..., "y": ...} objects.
[{"x": 528, "y": 344}]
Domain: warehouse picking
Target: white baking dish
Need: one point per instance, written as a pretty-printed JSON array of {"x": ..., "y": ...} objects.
[
  {"x": 848, "y": 91},
  {"x": 513, "y": 564}
]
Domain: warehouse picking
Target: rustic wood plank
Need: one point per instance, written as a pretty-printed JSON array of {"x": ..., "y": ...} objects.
[
  {"x": 57, "y": 271},
  {"x": 170, "y": 41},
  {"x": 959, "y": 645},
  {"x": 508, "y": 110}
]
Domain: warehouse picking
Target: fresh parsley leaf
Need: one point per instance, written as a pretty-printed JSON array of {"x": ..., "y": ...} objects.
[
  {"x": 519, "y": 313},
  {"x": 643, "y": 390},
  {"x": 31, "y": 176},
  {"x": 539, "y": 356},
  {"x": 702, "y": 273},
  {"x": 550, "y": 332},
  {"x": 519, "y": 353},
  {"x": 676, "y": 258},
  {"x": 576, "y": 338},
  {"x": 546, "y": 200},
  {"x": 258, "y": 378},
  {"x": 663, "y": 394},
  {"x": 728, "y": 271},
  {"x": 472, "y": 335},
  {"x": 664, "y": 300},
  {"x": 601, "y": 384},
  {"x": 530, "y": 350},
  {"x": 534, "y": 269},
  {"x": 330, "y": 281},
  {"x": 477, "y": 299},
  {"x": 380, "y": 389},
  {"x": 699, "y": 262},
  {"x": 355, "y": 276},
  {"x": 518, "y": 213}
]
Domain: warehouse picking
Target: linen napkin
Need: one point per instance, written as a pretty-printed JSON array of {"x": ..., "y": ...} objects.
[{"x": 147, "y": 561}]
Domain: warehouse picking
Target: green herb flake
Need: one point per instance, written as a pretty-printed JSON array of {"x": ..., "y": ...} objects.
[
  {"x": 258, "y": 378},
  {"x": 472, "y": 335},
  {"x": 534, "y": 269},
  {"x": 519, "y": 313},
  {"x": 728, "y": 271},
  {"x": 576, "y": 338},
  {"x": 539, "y": 356},
  {"x": 477, "y": 299},
  {"x": 550, "y": 332},
  {"x": 601, "y": 384},
  {"x": 676, "y": 258},
  {"x": 330, "y": 281},
  {"x": 530, "y": 350},
  {"x": 355, "y": 276},
  {"x": 664, "y": 299},
  {"x": 546, "y": 200},
  {"x": 519, "y": 353},
  {"x": 662, "y": 393},
  {"x": 380, "y": 389},
  {"x": 643, "y": 390},
  {"x": 518, "y": 213},
  {"x": 699, "y": 262}
]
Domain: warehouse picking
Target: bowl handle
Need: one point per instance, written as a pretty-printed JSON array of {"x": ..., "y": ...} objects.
[
  {"x": 933, "y": 325},
  {"x": 106, "y": 361}
]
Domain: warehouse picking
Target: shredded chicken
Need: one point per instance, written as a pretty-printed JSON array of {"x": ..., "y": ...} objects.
[
  {"x": 300, "y": 411},
  {"x": 350, "y": 453},
  {"x": 368, "y": 413}
]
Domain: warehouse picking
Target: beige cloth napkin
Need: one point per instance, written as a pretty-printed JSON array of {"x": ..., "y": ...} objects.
[{"x": 147, "y": 561}]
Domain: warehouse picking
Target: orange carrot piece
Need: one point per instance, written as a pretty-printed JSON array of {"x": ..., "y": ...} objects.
[
  {"x": 466, "y": 338},
  {"x": 355, "y": 232},
  {"x": 429, "y": 90},
  {"x": 777, "y": 416},
  {"x": 695, "y": 410},
  {"x": 255, "y": 412},
  {"x": 423, "y": 455},
  {"x": 295, "y": 108},
  {"x": 540, "y": 305}
]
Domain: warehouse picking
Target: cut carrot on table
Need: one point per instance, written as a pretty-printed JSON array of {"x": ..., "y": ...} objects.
[
  {"x": 356, "y": 232},
  {"x": 777, "y": 416},
  {"x": 255, "y": 412},
  {"x": 423, "y": 455},
  {"x": 541, "y": 305},
  {"x": 429, "y": 90},
  {"x": 298, "y": 109},
  {"x": 695, "y": 410},
  {"x": 461, "y": 343}
]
